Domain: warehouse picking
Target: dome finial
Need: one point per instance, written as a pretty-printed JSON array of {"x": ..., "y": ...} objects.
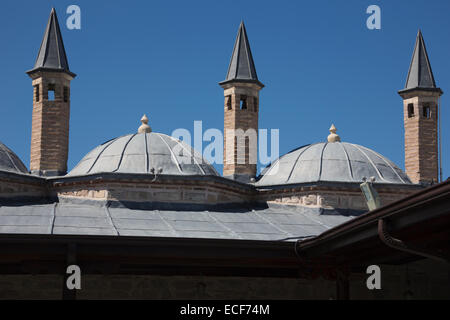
[
  {"x": 333, "y": 137},
  {"x": 144, "y": 126}
]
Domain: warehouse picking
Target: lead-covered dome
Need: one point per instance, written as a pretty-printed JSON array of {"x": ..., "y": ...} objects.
[
  {"x": 142, "y": 152},
  {"x": 9, "y": 161},
  {"x": 332, "y": 162}
]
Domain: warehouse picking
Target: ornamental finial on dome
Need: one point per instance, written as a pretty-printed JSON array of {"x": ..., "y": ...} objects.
[
  {"x": 144, "y": 126},
  {"x": 333, "y": 137}
]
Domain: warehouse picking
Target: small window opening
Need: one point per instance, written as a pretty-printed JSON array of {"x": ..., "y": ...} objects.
[
  {"x": 51, "y": 92},
  {"x": 66, "y": 94},
  {"x": 410, "y": 110},
  {"x": 36, "y": 93},
  {"x": 426, "y": 112},
  {"x": 243, "y": 103},
  {"x": 228, "y": 102}
]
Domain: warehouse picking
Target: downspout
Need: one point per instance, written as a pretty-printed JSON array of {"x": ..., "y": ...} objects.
[
  {"x": 439, "y": 141},
  {"x": 398, "y": 244}
]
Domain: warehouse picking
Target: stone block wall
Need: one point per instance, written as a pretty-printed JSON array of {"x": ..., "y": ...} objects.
[
  {"x": 323, "y": 197},
  {"x": 418, "y": 280},
  {"x": 216, "y": 192},
  {"x": 16, "y": 188},
  {"x": 146, "y": 191}
]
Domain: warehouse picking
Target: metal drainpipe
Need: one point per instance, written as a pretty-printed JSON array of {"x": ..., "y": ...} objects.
[
  {"x": 398, "y": 244},
  {"x": 439, "y": 140}
]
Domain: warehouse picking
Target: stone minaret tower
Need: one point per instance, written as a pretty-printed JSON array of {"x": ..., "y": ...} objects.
[
  {"x": 241, "y": 91},
  {"x": 51, "y": 104},
  {"x": 420, "y": 107}
]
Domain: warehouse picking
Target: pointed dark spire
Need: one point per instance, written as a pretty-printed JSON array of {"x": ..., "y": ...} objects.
[
  {"x": 52, "y": 56},
  {"x": 420, "y": 75},
  {"x": 242, "y": 67}
]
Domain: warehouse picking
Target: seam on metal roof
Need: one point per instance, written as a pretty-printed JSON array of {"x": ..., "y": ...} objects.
[
  {"x": 271, "y": 223},
  {"x": 169, "y": 226},
  {"x": 172, "y": 154},
  {"x": 53, "y": 218},
  {"x": 238, "y": 55},
  {"x": 83, "y": 227},
  {"x": 108, "y": 216},
  {"x": 123, "y": 152},
  {"x": 8, "y": 153},
  {"x": 247, "y": 50},
  {"x": 147, "y": 158},
  {"x": 192, "y": 153},
  {"x": 57, "y": 46},
  {"x": 223, "y": 225},
  {"x": 384, "y": 160},
  {"x": 371, "y": 162},
  {"x": 316, "y": 221},
  {"x": 321, "y": 160},
  {"x": 296, "y": 160},
  {"x": 99, "y": 154},
  {"x": 350, "y": 170}
]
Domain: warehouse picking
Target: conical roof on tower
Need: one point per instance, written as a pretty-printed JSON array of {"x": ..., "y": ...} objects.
[
  {"x": 420, "y": 74},
  {"x": 52, "y": 55},
  {"x": 242, "y": 67}
]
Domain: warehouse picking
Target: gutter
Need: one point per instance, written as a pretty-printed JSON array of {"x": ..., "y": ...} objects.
[
  {"x": 366, "y": 225},
  {"x": 398, "y": 244}
]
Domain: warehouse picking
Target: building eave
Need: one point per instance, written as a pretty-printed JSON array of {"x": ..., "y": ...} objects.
[
  {"x": 413, "y": 212},
  {"x": 42, "y": 69},
  {"x": 246, "y": 81},
  {"x": 150, "y": 255},
  {"x": 406, "y": 91}
]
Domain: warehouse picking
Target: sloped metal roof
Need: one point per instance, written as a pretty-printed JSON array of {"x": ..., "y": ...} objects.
[
  {"x": 331, "y": 162},
  {"x": 142, "y": 152},
  {"x": 52, "y": 55},
  {"x": 273, "y": 223},
  {"x": 242, "y": 66},
  {"x": 420, "y": 74},
  {"x": 9, "y": 161}
]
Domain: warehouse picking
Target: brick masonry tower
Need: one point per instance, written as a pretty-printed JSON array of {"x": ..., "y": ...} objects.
[
  {"x": 51, "y": 104},
  {"x": 421, "y": 116},
  {"x": 241, "y": 107}
]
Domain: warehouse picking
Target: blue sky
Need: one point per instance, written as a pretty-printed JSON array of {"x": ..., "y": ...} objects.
[{"x": 319, "y": 62}]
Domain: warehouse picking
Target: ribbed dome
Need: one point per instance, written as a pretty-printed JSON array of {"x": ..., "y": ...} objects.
[
  {"x": 140, "y": 152},
  {"x": 334, "y": 162},
  {"x": 9, "y": 161}
]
